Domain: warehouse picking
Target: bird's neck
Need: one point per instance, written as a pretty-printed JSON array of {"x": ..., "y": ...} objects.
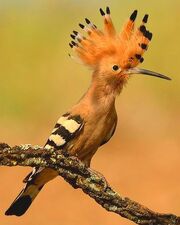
[{"x": 102, "y": 93}]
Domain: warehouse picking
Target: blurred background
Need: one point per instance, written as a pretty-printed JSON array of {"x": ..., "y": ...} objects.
[{"x": 39, "y": 82}]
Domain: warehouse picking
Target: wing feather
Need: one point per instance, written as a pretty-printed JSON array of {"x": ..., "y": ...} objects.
[{"x": 67, "y": 127}]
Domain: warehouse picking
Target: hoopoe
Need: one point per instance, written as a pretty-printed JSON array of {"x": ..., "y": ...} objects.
[{"x": 90, "y": 123}]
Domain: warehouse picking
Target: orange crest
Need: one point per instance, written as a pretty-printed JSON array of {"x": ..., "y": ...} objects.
[{"x": 127, "y": 47}]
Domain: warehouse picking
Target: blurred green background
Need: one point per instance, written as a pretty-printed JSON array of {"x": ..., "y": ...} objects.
[{"x": 39, "y": 82}]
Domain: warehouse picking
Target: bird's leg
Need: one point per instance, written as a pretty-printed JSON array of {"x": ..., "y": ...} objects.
[{"x": 100, "y": 179}]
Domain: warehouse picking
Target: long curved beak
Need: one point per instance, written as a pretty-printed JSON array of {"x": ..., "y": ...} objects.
[{"x": 147, "y": 72}]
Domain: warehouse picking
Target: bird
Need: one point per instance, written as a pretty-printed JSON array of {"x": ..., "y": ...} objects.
[{"x": 113, "y": 58}]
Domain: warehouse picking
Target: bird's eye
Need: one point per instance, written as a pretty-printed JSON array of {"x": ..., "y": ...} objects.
[{"x": 115, "y": 67}]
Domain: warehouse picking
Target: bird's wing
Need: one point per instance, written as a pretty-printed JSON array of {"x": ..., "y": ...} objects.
[
  {"x": 110, "y": 134},
  {"x": 67, "y": 127}
]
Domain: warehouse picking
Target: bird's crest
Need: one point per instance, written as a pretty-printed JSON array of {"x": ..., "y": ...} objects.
[{"x": 128, "y": 46}]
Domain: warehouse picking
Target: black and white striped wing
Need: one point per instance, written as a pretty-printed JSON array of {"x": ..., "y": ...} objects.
[
  {"x": 67, "y": 127},
  {"x": 65, "y": 130}
]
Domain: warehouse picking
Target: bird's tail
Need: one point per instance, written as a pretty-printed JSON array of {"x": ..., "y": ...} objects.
[
  {"x": 23, "y": 200},
  {"x": 35, "y": 182}
]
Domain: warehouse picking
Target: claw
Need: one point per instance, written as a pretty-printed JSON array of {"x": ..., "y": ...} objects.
[{"x": 101, "y": 176}]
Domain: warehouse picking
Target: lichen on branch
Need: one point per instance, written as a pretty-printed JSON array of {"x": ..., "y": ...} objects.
[{"x": 90, "y": 181}]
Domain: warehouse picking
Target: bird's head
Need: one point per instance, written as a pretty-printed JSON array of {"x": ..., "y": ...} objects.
[{"x": 114, "y": 56}]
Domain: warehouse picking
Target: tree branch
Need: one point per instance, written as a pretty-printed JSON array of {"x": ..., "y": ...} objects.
[{"x": 79, "y": 176}]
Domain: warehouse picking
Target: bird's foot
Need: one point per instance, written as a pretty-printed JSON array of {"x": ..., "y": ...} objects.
[{"x": 100, "y": 179}]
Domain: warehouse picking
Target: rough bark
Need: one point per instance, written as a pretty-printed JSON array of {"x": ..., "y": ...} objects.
[{"x": 79, "y": 176}]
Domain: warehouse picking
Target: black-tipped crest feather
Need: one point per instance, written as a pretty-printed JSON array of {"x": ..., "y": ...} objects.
[
  {"x": 102, "y": 12},
  {"x": 133, "y": 15}
]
